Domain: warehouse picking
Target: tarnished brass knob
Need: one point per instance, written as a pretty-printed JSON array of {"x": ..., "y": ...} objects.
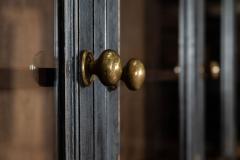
[
  {"x": 108, "y": 68},
  {"x": 134, "y": 74}
]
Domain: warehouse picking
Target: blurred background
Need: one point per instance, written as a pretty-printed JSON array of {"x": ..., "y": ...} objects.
[
  {"x": 27, "y": 110},
  {"x": 150, "y": 122}
]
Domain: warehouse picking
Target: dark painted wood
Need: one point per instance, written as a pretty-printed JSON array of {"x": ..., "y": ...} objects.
[
  {"x": 70, "y": 80},
  {"x": 59, "y": 50},
  {"x": 86, "y": 93},
  {"x": 100, "y": 91},
  {"x": 67, "y": 81},
  {"x": 113, "y": 42},
  {"x": 75, "y": 115},
  {"x": 87, "y": 116},
  {"x": 191, "y": 81},
  {"x": 228, "y": 84},
  {"x": 106, "y": 130}
]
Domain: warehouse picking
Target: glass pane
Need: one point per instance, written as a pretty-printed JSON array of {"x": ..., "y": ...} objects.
[
  {"x": 27, "y": 94},
  {"x": 149, "y": 117}
]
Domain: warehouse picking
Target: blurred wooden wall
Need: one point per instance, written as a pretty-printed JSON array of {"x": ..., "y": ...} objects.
[
  {"x": 27, "y": 111},
  {"x": 132, "y": 103}
]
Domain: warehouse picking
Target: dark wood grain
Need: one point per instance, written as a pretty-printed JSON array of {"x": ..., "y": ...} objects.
[
  {"x": 100, "y": 91},
  {"x": 75, "y": 118},
  {"x": 86, "y": 93},
  {"x": 88, "y": 118},
  {"x": 113, "y": 42},
  {"x": 66, "y": 85},
  {"x": 106, "y": 131}
]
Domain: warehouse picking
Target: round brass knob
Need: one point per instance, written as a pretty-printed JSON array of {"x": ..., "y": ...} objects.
[
  {"x": 134, "y": 74},
  {"x": 108, "y": 68}
]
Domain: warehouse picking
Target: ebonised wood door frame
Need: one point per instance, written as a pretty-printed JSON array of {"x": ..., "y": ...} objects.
[
  {"x": 228, "y": 79},
  {"x": 191, "y": 79},
  {"x": 192, "y": 101},
  {"x": 88, "y": 117}
]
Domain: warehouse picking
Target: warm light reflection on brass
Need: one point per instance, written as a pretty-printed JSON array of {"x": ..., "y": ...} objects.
[
  {"x": 176, "y": 69},
  {"x": 215, "y": 69},
  {"x": 109, "y": 70},
  {"x": 107, "y": 67},
  {"x": 134, "y": 74}
]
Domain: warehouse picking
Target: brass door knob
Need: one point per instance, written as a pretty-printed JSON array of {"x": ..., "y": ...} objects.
[{"x": 108, "y": 68}]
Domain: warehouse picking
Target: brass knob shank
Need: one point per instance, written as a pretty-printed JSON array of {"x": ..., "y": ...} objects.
[{"x": 108, "y": 68}]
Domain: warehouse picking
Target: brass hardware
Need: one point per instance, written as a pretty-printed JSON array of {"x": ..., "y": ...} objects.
[
  {"x": 86, "y": 59},
  {"x": 108, "y": 68},
  {"x": 215, "y": 69},
  {"x": 134, "y": 74}
]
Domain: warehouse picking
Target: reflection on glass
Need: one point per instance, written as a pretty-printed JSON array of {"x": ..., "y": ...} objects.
[
  {"x": 149, "y": 117},
  {"x": 43, "y": 68},
  {"x": 27, "y": 109}
]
